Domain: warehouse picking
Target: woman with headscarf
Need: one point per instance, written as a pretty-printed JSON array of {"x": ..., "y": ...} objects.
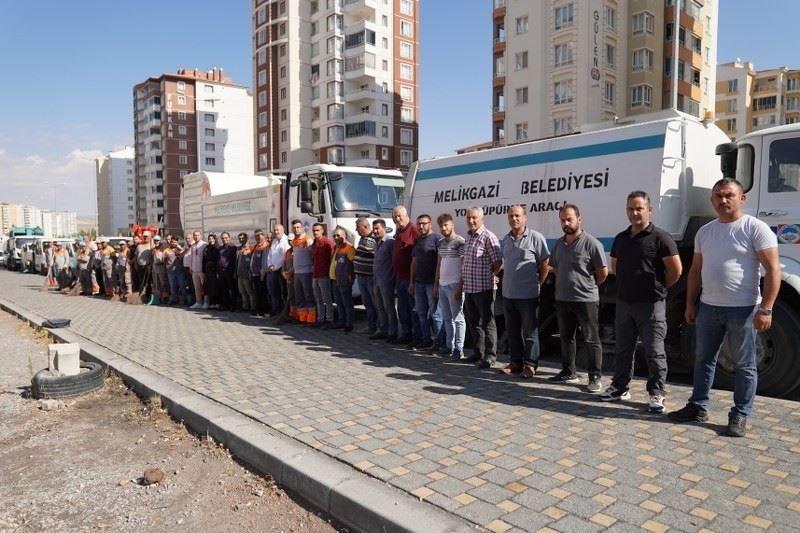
[{"x": 211, "y": 271}]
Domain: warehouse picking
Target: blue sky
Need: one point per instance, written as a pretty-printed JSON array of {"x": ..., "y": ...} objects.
[{"x": 68, "y": 69}]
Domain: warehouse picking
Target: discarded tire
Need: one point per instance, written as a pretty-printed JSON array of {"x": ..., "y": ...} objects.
[{"x": 46, "y": 385}]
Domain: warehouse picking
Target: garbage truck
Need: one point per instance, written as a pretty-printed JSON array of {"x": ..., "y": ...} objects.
[{"x": 675, "y": 158}]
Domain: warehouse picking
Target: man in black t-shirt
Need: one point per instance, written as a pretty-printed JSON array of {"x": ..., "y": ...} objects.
[{"x": 645, "y": 260}]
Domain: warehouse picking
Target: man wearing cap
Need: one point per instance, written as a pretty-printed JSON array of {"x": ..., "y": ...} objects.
[{"x": 105, "y": 257}]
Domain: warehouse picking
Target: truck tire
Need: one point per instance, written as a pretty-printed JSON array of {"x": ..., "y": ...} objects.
[
  {"x": 46, "y": 385},
  {"x": 778, "y": 368}
]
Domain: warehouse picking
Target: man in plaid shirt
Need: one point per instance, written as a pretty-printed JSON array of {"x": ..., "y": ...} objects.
[{"x": 482, "y": 261}]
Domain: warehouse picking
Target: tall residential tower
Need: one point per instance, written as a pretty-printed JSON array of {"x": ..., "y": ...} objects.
[
  {"x": 116, "y": 196},
  {"x": 562, "y": 63},
  {"x": 336, "y": 81},
  {"x": 185, "y": 122}
]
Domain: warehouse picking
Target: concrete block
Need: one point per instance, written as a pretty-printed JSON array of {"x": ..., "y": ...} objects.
[
  {"x": 64, "y": 359},
  {"x": 313, "y": 475}
]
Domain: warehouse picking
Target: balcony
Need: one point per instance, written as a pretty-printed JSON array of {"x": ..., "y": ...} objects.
[
  {"x": 364, "y": 9},
  {"x": 366, "y": 92},
  {"x": 359, "y": 66},
  {"x": 362, "y": 162}
]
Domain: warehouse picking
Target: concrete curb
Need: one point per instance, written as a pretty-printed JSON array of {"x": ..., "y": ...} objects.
[{"x": 357, "y": 500}]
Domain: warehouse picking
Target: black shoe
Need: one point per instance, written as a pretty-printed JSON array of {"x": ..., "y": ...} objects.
[
  {"x": 737, "y": 426},
  {"x": 472, "y": 359},
  {"x": 412, "y": 344},
  {"x": 564, "y": 377},
  {"x": 424, "y": 345},
  {"x": 689, "y": 413},
  {"x": 347, "y": 329},
  {"x": 483, "y": 365},
  {"x": 377, "y": 336}
]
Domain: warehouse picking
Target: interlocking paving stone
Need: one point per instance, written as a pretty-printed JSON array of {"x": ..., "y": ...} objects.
[{"x": 496, "y": 450}]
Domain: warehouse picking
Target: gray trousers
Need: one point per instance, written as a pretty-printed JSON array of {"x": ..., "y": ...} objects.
[
  {"x": 245, "y": 285},
  {"x": 648, "y": 321},
  {"x": 324, "y": 299},
  {"x": 384, "y": 306}
]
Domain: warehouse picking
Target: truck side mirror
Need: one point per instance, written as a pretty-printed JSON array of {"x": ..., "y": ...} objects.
[
  {"x": 306, "y": 207},
  {"x": 727, "y": 153},
  {"x": 305, "y": 191}
]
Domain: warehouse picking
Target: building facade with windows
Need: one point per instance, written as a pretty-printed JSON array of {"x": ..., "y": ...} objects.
[
  {"x": 562, "y": 63},
  {"x": 186, "y": 122},
  {"x": 116, "y": 192},
  {"x": 336, "y": 81},
  {"x": 749, "y": 100}
]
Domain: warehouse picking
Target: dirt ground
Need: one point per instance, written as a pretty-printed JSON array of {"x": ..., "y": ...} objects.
[{"x": 79, "y": 467}]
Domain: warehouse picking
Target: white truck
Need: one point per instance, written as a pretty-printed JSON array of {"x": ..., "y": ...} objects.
[
  {"x": 213, "y": 202},
  {"x": 673, "y": 157}
]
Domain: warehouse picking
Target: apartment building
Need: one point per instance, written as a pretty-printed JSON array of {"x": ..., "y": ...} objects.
[
  {"x": 336, "y": 81},
  {"x": 185, "y": 122},
  {"x": 53, "y": 223},
  {"x": 59, "y": 223},
  {"x": 562, "y": 63},
  {"x": 749, "y": 100},
  {"x": 10, "y": 216},
  {"x": 116, "y": 192}
]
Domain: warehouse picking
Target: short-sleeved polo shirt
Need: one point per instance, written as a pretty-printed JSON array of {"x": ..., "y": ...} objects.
[
  {"x": 521, "y": 259},
  {"x": 575, "y": 265},
  {"x": 640, "y": 263},
  {"x": 425, "y": 253}
]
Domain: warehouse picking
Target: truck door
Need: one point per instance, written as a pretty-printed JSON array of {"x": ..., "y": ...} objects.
[{"x": 779, "y": 189}]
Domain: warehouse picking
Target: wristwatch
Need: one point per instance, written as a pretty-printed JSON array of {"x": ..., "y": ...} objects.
[{"x": 766, "y": 311}]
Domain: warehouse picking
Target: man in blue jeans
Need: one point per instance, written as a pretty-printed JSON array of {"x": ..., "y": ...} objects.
[
  {"x": 728, "y": 253},
  {"x": 448, "y": 279},
  {"x": 364, "y": 261},
  {"x": 423, "y": 274}
]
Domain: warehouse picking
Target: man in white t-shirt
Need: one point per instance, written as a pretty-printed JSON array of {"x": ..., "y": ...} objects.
[
  {"x": 727, "y": 255},
  {"x": 447, "y": 282}
]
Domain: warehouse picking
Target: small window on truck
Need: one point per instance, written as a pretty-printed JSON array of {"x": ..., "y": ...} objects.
[
  {"x": 745, "y": 159},
  {"x": 784, "y": 166}
]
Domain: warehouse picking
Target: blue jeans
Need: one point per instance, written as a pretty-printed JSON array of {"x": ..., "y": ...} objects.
[
  {"x": 430, "y": 320},
  {"x": 343, "y": 293},
  {"x": 522, "y": 326},
  {"x": 406, "y": 317},
  {"x": 384, "y": 305},
  {"x": 366, "y": 286},
  {"x": 177, "y": 283},
  {"x": 276, "y": 287},
  {"x": 324, "y": 298},
  {"x": 713, "y": 323},
  {"x": 452, "y": 312}
]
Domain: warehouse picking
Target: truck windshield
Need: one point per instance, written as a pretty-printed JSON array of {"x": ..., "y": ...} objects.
[
  {"x": 365, "y": 193},
  {"x": 19, "y": 242}
]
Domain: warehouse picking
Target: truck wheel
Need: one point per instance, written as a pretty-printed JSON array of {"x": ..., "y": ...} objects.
[
  {"x": 778, "y": 368},
  {"x": 46, "y": 385}
]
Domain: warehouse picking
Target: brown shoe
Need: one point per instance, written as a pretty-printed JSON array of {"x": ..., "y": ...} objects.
[
  {"x": 528, "y": 372},
  {"x": 512, "y": 368}
]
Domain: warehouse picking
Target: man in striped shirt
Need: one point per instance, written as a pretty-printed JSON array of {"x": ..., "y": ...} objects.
[
  {"x": 448, "y": 279},
  {"x": 482, "y": 262},
  {"x": 365, "y": 257}
]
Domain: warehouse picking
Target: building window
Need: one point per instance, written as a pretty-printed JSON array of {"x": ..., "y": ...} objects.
[
  {"x": 262, "y": 120},
  {"x": 565, "y": 15},
  {"x": 211, "y": 161},
  {"x": 209, "y": 147},
  {"x": 641, "y": 95},
  {"x": 406, "y": 114},
  {"x": 406, "y": 136},
  {"x": 406, "y": 71},
  {"x": 611, "y": 55},
  {"x": 643, "y": 23},
  {"x": 767, "y": 102},
  {"x": 406, "y": 8},
  {"x": 181, "y": 99},
  {"x": 385, "y": 110},
  {"x": 182, "y": 145},
  {"x": 609, "y": 91},
  {"x": 733, "y": 86},
  {"x": 209, "y": 132},
  {"x": 563, "y": 54},
  {"x": 284, "y": 157},
  {"x": 261, "y": 56},
  {"x": 406, "y": 51},
  {"x": 284, "y": 136},
  {"x": 562, "y": 92},
  {"x": 335, "y": 133},
  {"x": 181, "y": 86},
  {"x": 262, "y": 77},
  {"x": 181, "y": 115},
  {"x": 731, "y": 124},
  {"x": 283, "y": 72},
  {"x": 642, "y": 59},
  {"x": 262, "y": 140},
  {"x": 384, "y": 153},
  {"x": 406, "y": 28},
  {"x": 406, "y": 93},
  {"x": 336, "y": 155},
  {"x": 283, "y": 115},
  {"x": 209, "y": 117},
  {"x": 610, "y": 18},
  {"x": 283, "y": 93},
  {"x": 181, "y": 130},
  {"x": 262, "y": 161},
  {"x": 208, "y": 88},
  {"x": 406, "y": 157},
  {"x": 183, "y": 159},
  {"x": 692, "y": 107},
  {"x": 521, "y": 131},
  {"x": 522, "y": 24},
  {"x": 521, "y": 60},
  {"x": 522, "y": 95},
  {"x": 385, "y": 132},
  {"x": 563, "y": 126},
  {"x": 335, "y": 111}
]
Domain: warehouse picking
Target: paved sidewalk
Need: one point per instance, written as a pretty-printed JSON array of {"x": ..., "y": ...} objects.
[{"x": 505, "y": 454}]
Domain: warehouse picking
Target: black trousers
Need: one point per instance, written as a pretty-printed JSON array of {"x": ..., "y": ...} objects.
[
  {"x": 479, "y": 312},
  {"x": 584, "y": 314},
  {"x": 262, "y": 298},
  {"x": 228, "y": 289}
]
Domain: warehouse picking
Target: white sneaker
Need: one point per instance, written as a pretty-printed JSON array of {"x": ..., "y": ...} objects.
[
  {"x": 656, "y": 404},
  {"x": 613, "y": 394},
  {"x": 194, "y": 306},
  {"x": 205, "y": 305}
]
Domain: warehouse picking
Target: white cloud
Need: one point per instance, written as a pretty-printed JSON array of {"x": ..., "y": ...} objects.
[{"x": 30, "y": 179}]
